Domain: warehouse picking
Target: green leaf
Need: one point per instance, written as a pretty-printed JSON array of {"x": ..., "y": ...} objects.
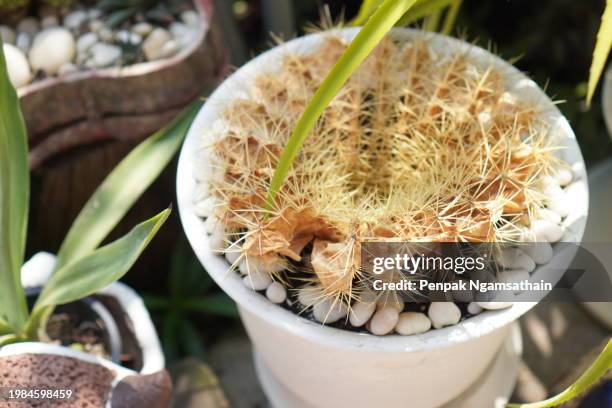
[
  {"x": 9, "y": 339},
  {"x": 100, "y": 268},
  {"x": 365, "y": 11},
  {"x": 602, "y": 49},
  {"x": 599, "y": 367},
  {"x": 5, "y": 328},
  {"x": 123, "y": 186},
  {"x": 154, "y": 302},
  {"x": 368, "y": 37},
  {"x": 14, "y": 197},
  {"x": 192, "y": 341},
  {"x": 423, "y": 9},
  {"x": 451, "y": 17},
  {"x": 219, "y": 304}
]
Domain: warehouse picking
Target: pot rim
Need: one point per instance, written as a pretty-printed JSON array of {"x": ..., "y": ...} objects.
[{"x": 283, "y": 319}]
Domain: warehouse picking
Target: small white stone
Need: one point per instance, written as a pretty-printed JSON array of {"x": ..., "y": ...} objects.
[
  {"x": 563, "y": 175},
  {"x": 361, "y": 312},
  {"x": 85, "y": 42},
  {"x": 183, "y": 34},
  {"x": 217, "y": 241},
  {"x": 494, "y": 305},
  {"x": 49, "y": 21},
  {"x": 328, "y": 311},
  {"x": 205, "y": 208},
  {"x": 474, "y": 309},
  {"x": 545, "y": 231},
  {"x": 96, "y": 25},
  {"x": 513, "y": 276},
  {"x": 17, "y": 64},
  {"x": 210, "y": 224},
  {"x": 142, "y": 29},
  {"x": 23, "y": 42},
  {"x": 540, "y": 252},
  {"x": 443, "y": 314},
  {"x": 546, "y": 214},
  {"x": 8, "y": 35},
  {"x": 105, "y": 34},
  {"x": 257, "y": 280},
  {"x": 104, "y": 55},
  {"x": 94, "y": 13},
  {"x": 309, "y": 296},
  {"x": 51, "y": 49},
  {"x": 233, "y": 255},
  {"x": 128, "y": 37},
  {"x": 412, "y": 323},
  {"x": 384, "y": 321},
  {"x": 251, "y": 264},
  {"x": 515, "y": 258},
  {"x": 29, "y": 26},
  {"x": 68, "y": 68},
  {"x": 155, "y": 42},
  {"x": 398, "y": 304},
  {"x": 191, "y": 18},
  {"x": 170, "y": 48},
  {"x": 74, "y": 19},
  {"x": 276, "y": 292}
]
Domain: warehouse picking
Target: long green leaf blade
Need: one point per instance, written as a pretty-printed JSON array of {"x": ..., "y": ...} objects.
[
  {"x": 423, "y": 9},
  {"x": 365, "y": 11},
  {"x": 123, "y": 186},
  {"x": 95, "y": 271},
  {"x": 14, "y": 197},
  {"x": 368, "y": 37},
  {"x": 600, "y": 366},
  {"x": 602, "y": 49}
]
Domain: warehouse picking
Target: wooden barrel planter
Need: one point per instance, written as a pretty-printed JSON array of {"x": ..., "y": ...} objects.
[{"x": 81, "y": 125}]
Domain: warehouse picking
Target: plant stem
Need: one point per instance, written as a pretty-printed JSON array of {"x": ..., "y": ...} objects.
[
  {"x": 368, "y": 37},
  {"x": 599, "y": 367}
]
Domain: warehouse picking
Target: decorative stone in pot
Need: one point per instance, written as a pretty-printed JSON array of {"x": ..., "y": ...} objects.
[
  {"x": 95, "y": 377},
  {"x": 306, "y": 364},
  {"x": 82, "y": 123}
]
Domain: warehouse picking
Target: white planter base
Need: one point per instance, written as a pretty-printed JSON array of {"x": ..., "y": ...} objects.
[{"x": 491, "y": 390}]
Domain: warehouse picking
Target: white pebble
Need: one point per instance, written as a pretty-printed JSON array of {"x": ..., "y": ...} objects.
[
  {"x": 233, "y": 255},
  {"x": 513, "y": 276},
  {"x": 412, "y": 323},
  {"x": 217, "y": 241},
  {"x": 361, "y": 312},
  {"x": 68, "y": 68},
  {"x": 128, "y": 37},
  {"x": 51, "y": 49},
  {"x": 85, "y": 42},
  {"x": 205, "y": 208},
  {"x": 142, "y": 29},
  {"x": 546, "y": 214},
  {"x": 309, "y": 296},
  {"x": 545, "y": 231},
  {"x": 393, "y": 302},
  {"x": 23, "y": 42},
  {"x": 251, "y": 264},
  {"x": 8, "y": 35},
  {"x": 94, "y": 13},
  {"x": 563, "y": 175},
  {"x": 29, "y": 26},
  {"x": 328, "y": 311},
  {"x": 474, "y": 309},
  {"x": 75, "y": 19},
  {"x": 169, "y": 49},
  {"x": 276, "y": 292},
  {"x": 443, "y": 314},
  {"x": 17, "y": 64},
  {"x": 96, "y": 25},
  {"x": 154, "y": 44},
  {"x": 49, "y": 21},
  {"x": 257, "y": 280},
  {"x": 540, "y": 252},
  {"x": 191, "y": 18},
  {"x": 513, "y": 258},
  {"x": 105, "y": 34},
  {"x": 494, "y": 305},
  {"x": 384, "y": 321},
  {"x": 211, "y": 224},
  {"x": 104, "y": 55}
]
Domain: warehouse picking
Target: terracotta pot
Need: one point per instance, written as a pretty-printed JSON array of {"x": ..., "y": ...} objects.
[{"x": 82, "y": 124}]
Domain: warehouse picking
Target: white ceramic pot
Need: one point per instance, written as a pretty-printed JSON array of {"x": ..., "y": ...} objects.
[{"x": 328, "y": 367}]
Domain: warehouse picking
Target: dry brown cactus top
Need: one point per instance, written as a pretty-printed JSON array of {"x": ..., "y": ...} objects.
[{"x": 415, "y": 147}]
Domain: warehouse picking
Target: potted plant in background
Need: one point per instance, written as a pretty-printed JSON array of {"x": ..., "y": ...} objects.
[
  {"x": 116, "y": 72},
  {"x": 84, "y": 332}
]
